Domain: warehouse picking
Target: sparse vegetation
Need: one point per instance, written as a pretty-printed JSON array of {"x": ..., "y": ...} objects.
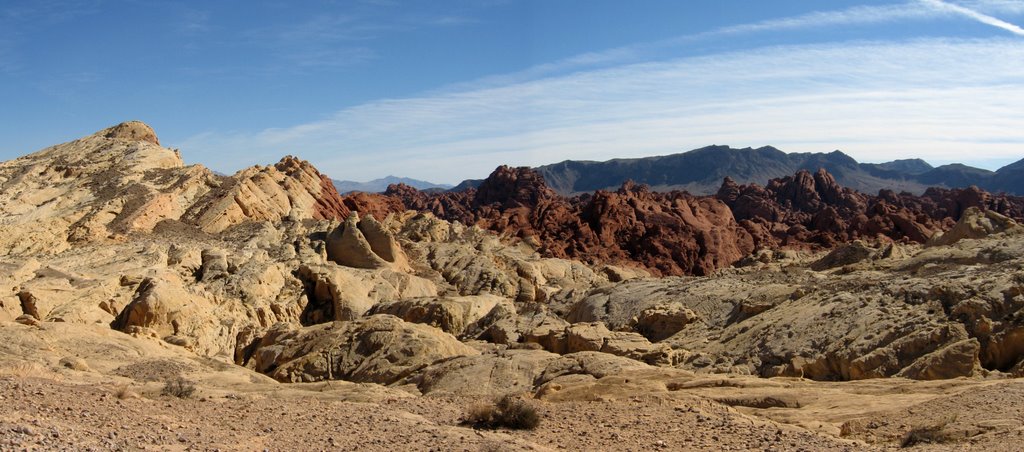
[
  {"x": 179, "y": 387},
  {"x": 507, "y": 411},
  {"x": 928, "y": 434},
  {"x": 125, "y": 392}
]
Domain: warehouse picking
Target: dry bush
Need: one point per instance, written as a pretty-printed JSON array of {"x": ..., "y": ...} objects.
[
  {"x": 178, "y": 387},
  {"x": 507, "y": 411},
  {"x": 480, "y": 413},
  {"x": 125, "y": 392},
  {"x": 517, "y": 413},
  {"x": 928, "y": 434}
]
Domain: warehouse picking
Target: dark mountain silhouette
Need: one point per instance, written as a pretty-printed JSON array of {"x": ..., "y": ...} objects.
[
  {"x": 956, "y": 175},
  {"x": 467, "y": 184},
  {"x": 701, "y": 171},
  {"x": 905, "y": 166},
  {"x": 1009, "y": 178}
]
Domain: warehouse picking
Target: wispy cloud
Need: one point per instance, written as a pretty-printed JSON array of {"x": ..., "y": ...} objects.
[
  {"x": 342, "y": 38},
  {"x": 45, "y": 11},
  {"x": 856, "y": 15},
  {"x": 975, "y": 15},
  {"x": 862, "y": 15},
  {"x": 878, "y": 101},
  {"x": 995, "y": 6}
]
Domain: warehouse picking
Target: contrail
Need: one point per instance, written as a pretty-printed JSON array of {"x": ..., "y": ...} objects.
[{"x": 970, "y": 13}]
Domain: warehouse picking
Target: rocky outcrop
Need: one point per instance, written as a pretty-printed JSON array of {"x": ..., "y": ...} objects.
[
  {"x": 336, "y": 293},
  {"x": 814, "y": 210},
  {"x": 596, "y": 337},
  {"x": 674, "y": 233},
  {"x": 378, "y": 349},
  {"x": 120, "y": 181},
  {"x": 975, "y": 224},
  {"x": 663, "y": 321},
  {"x": 511, "y": 371},
  {"x": 115, "y": 181},
  {"x": 454, "y": 315},
  {"x": 668, "y": 233},
  {"x": 485, "y": 375},
  {"x": 292, "y": 188},
  {"x": 853, "y": 253},
  {"x": 365, "y": 244},
  {"x": 132, "y": 131}
]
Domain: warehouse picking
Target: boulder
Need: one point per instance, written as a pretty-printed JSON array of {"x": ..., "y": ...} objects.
[
  {"x": 162, "y": 306},
  {"x": 851, "y": 253},
  {"x": 977, "y": 223},
  {"x": 365, "y": 244},
  {"x": 132, "y": 131},
  {"x": 346, "y": 245},
  {"x": 453, "y": 315},
  {"x": 339, "y": 293},
  {"x": 595, "y": 337},
  {"x": 485, "y": 375},
  {"x": 664, "y": 320},
  {"x": 377, "y": 349},
  {"x": 959, "y": 359}
]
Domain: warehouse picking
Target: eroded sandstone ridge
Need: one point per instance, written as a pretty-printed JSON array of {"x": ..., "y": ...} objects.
[
  {"x": 120, "y": 181},
  {"x": 118, "y": 261}
]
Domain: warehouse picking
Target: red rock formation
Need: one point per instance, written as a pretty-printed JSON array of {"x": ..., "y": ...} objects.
[
  {"x": 816, "y": 210},
  {"x": 373, "y": 204},
  {"x": 669, "y": 233},
  {"x": 455, "y": 206},
  {"x": 675, "y": 233},
  {"x": 509, "y": 188}
]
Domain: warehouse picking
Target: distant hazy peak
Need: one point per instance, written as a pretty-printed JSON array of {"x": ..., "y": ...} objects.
[{"x": 380, "y": 185}]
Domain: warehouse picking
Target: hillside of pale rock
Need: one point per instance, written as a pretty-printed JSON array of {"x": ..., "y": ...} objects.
[
  {"x": 312, "y": 321},
  {"x": 120, "y": 181}
]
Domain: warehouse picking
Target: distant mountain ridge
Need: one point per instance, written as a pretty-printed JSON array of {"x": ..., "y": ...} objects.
[
  {"x": 380, "y": 185},
  {"x": 701, "y": 171}
]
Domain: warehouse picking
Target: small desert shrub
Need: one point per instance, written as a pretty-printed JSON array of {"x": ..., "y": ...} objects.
[
  {"x": 929, "y": 434},
  {"x": 179, "y": 387},
  {"x": 480, "y": 413},
  {"x": 125, "y": 392},
  {"x": 508, "y": 411}
]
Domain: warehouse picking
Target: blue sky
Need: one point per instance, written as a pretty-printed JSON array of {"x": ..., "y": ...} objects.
[{"x": 448, "y": 90}]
